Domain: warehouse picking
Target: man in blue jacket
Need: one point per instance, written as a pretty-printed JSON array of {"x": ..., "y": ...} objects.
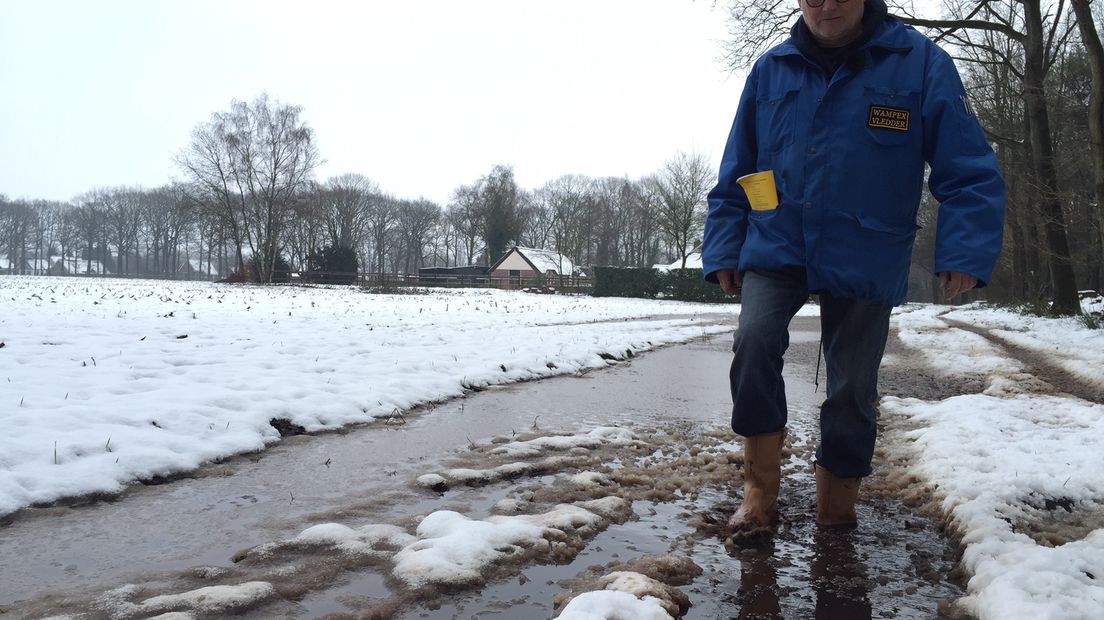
[{"x": 846, "y": 113}]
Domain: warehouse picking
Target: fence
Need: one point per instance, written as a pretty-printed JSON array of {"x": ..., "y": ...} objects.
[
  {"x": 189, "y": 277},
  {"x": 561, "y": 284}
]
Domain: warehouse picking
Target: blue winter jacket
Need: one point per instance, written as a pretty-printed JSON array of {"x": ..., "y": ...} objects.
[{"x": 848, "y": 155}]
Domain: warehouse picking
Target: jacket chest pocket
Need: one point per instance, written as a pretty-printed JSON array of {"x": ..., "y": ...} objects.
[
  {"x": 890, "y": 116},
  {"x": 775, "y": 118}
]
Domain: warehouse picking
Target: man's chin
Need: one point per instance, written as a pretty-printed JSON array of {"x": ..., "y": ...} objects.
[{"x": 833, "y": 37}]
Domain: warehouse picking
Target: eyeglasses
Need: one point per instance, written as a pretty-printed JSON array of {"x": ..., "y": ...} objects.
[{"x": 816, "y": 4}]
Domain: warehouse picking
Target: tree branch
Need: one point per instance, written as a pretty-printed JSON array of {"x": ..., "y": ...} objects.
[{"x": 965, "y": 24}]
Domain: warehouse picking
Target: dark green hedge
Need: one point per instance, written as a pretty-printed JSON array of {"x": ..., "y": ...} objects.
[
  {"x": 648, "y": 283},
  {"x": 333, "y": 264}
]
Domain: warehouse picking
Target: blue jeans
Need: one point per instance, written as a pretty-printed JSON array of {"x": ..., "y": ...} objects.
[{"x": 854, "y": 334}]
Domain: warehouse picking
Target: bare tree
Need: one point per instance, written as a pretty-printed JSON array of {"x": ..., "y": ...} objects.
[
  {"x": 6, "y": 240},
  {"x": 47, "y": 228},
  {"x": 415, "y": 221},
  {"x": 346, "y": 208},
  {"x": 682, "y": 185},
  {"x": 88, "y": 224},
  {"x": 17, "y": 223},
  {"x": 642, "y": 230},
  {"x": 68, "y": 236},
  {"x": 249, "y": 163},
  {"x": 1090, "y": 38},
  {"x": 536, "y": 218},
  {"x": 465, "y": 218},
  {"x": 167, "y": 213},
  {"x": 121, "y": 208},
  {"x": 382, "y": 216},
  {"x": 754, "y": 26},
  {"x": 566, "y": 196},
  {"x": 607, "y": 219},
  {"x": 444, "y": 243},
  {"x": 305, "y": 235}
]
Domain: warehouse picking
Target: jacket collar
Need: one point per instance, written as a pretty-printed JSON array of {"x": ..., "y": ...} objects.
[{"x": 891, "y": 36}]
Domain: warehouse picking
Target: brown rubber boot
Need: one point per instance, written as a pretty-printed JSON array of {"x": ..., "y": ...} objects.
[
  {"x": 762, "y": 476},
  {"x": 836, "y": 498}
]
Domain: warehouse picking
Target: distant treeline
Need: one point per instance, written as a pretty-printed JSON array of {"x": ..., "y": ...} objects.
[{"x": 251, "y": 197}]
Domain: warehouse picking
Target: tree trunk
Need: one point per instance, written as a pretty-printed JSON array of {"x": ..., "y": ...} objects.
[
  {"x": 1091, "y": 39},
  {"x": 1064, "y": 293}
]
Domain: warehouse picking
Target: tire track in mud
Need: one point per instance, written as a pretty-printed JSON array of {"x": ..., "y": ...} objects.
[
  {"x": 1037, "y": 364},
  {"x": 906, "y": 373}
]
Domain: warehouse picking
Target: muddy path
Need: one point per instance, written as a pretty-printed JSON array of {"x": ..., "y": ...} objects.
[
  {"x": 681, "y": 479},
  {"x": 1037, "y": 365}
]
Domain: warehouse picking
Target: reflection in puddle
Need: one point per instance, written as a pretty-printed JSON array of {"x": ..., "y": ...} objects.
[
  {"x": 839, "y": 577},
  {"x": 758, "y": 594}
]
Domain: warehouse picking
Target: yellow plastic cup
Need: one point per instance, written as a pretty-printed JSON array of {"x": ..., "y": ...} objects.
[{"x": 760, "y": 190}]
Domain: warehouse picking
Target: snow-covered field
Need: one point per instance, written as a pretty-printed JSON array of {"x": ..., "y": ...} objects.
[{"x": 103, "y": 382}]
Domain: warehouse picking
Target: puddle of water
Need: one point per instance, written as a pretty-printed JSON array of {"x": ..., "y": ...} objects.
[
  {"x": 275, "y": 494},
  {"x": 882, "y": 569},
  {"x": 352, "y": 596}
]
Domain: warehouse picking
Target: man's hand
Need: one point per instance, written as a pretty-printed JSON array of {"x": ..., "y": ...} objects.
[
  {"x": 954, "y": 283},
  {"x": 730, "y": 280}
]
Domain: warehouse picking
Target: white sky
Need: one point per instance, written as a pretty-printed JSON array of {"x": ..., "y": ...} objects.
[{"x": 418, "y": 96}]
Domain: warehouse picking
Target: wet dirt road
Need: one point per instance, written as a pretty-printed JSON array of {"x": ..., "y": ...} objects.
[{"x": 896, "y": 564}]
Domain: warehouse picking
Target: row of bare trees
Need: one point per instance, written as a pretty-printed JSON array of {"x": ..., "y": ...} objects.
[
  {"x": 1035, "y": 73},
  {"x": 249, "y": 198},
  {"x": 130, "y": 231},
  {"x": 603, "y": 221}
]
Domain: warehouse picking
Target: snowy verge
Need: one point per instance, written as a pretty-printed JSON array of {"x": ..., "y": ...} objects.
[
  {"x": 1018, "y": 472},
  {"x": 105, "y": 382}
]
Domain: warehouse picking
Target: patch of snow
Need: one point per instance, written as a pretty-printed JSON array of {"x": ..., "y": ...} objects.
[
  {"x": 453, "y": 549},
  {"x": 603, "y": 435},
  {"x": 213, "y": 598},
  {"x": 366, "y": 540},
  {"x": 590, "y": 480},
  {"x": 432, "y": 481},
  {"x": 210, "y": 599},
  {"x": 462, "y": 475},
  {"x": 613, "y": 605}
]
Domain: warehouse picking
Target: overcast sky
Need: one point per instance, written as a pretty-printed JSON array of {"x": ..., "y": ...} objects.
[{"x": 419, "y": 96}]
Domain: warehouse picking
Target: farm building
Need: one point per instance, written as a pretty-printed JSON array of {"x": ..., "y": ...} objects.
[
  {"x": 193, "y": 269},
  {"x": 70, "y": 266},
  {"x": 522, "y": 265}
]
